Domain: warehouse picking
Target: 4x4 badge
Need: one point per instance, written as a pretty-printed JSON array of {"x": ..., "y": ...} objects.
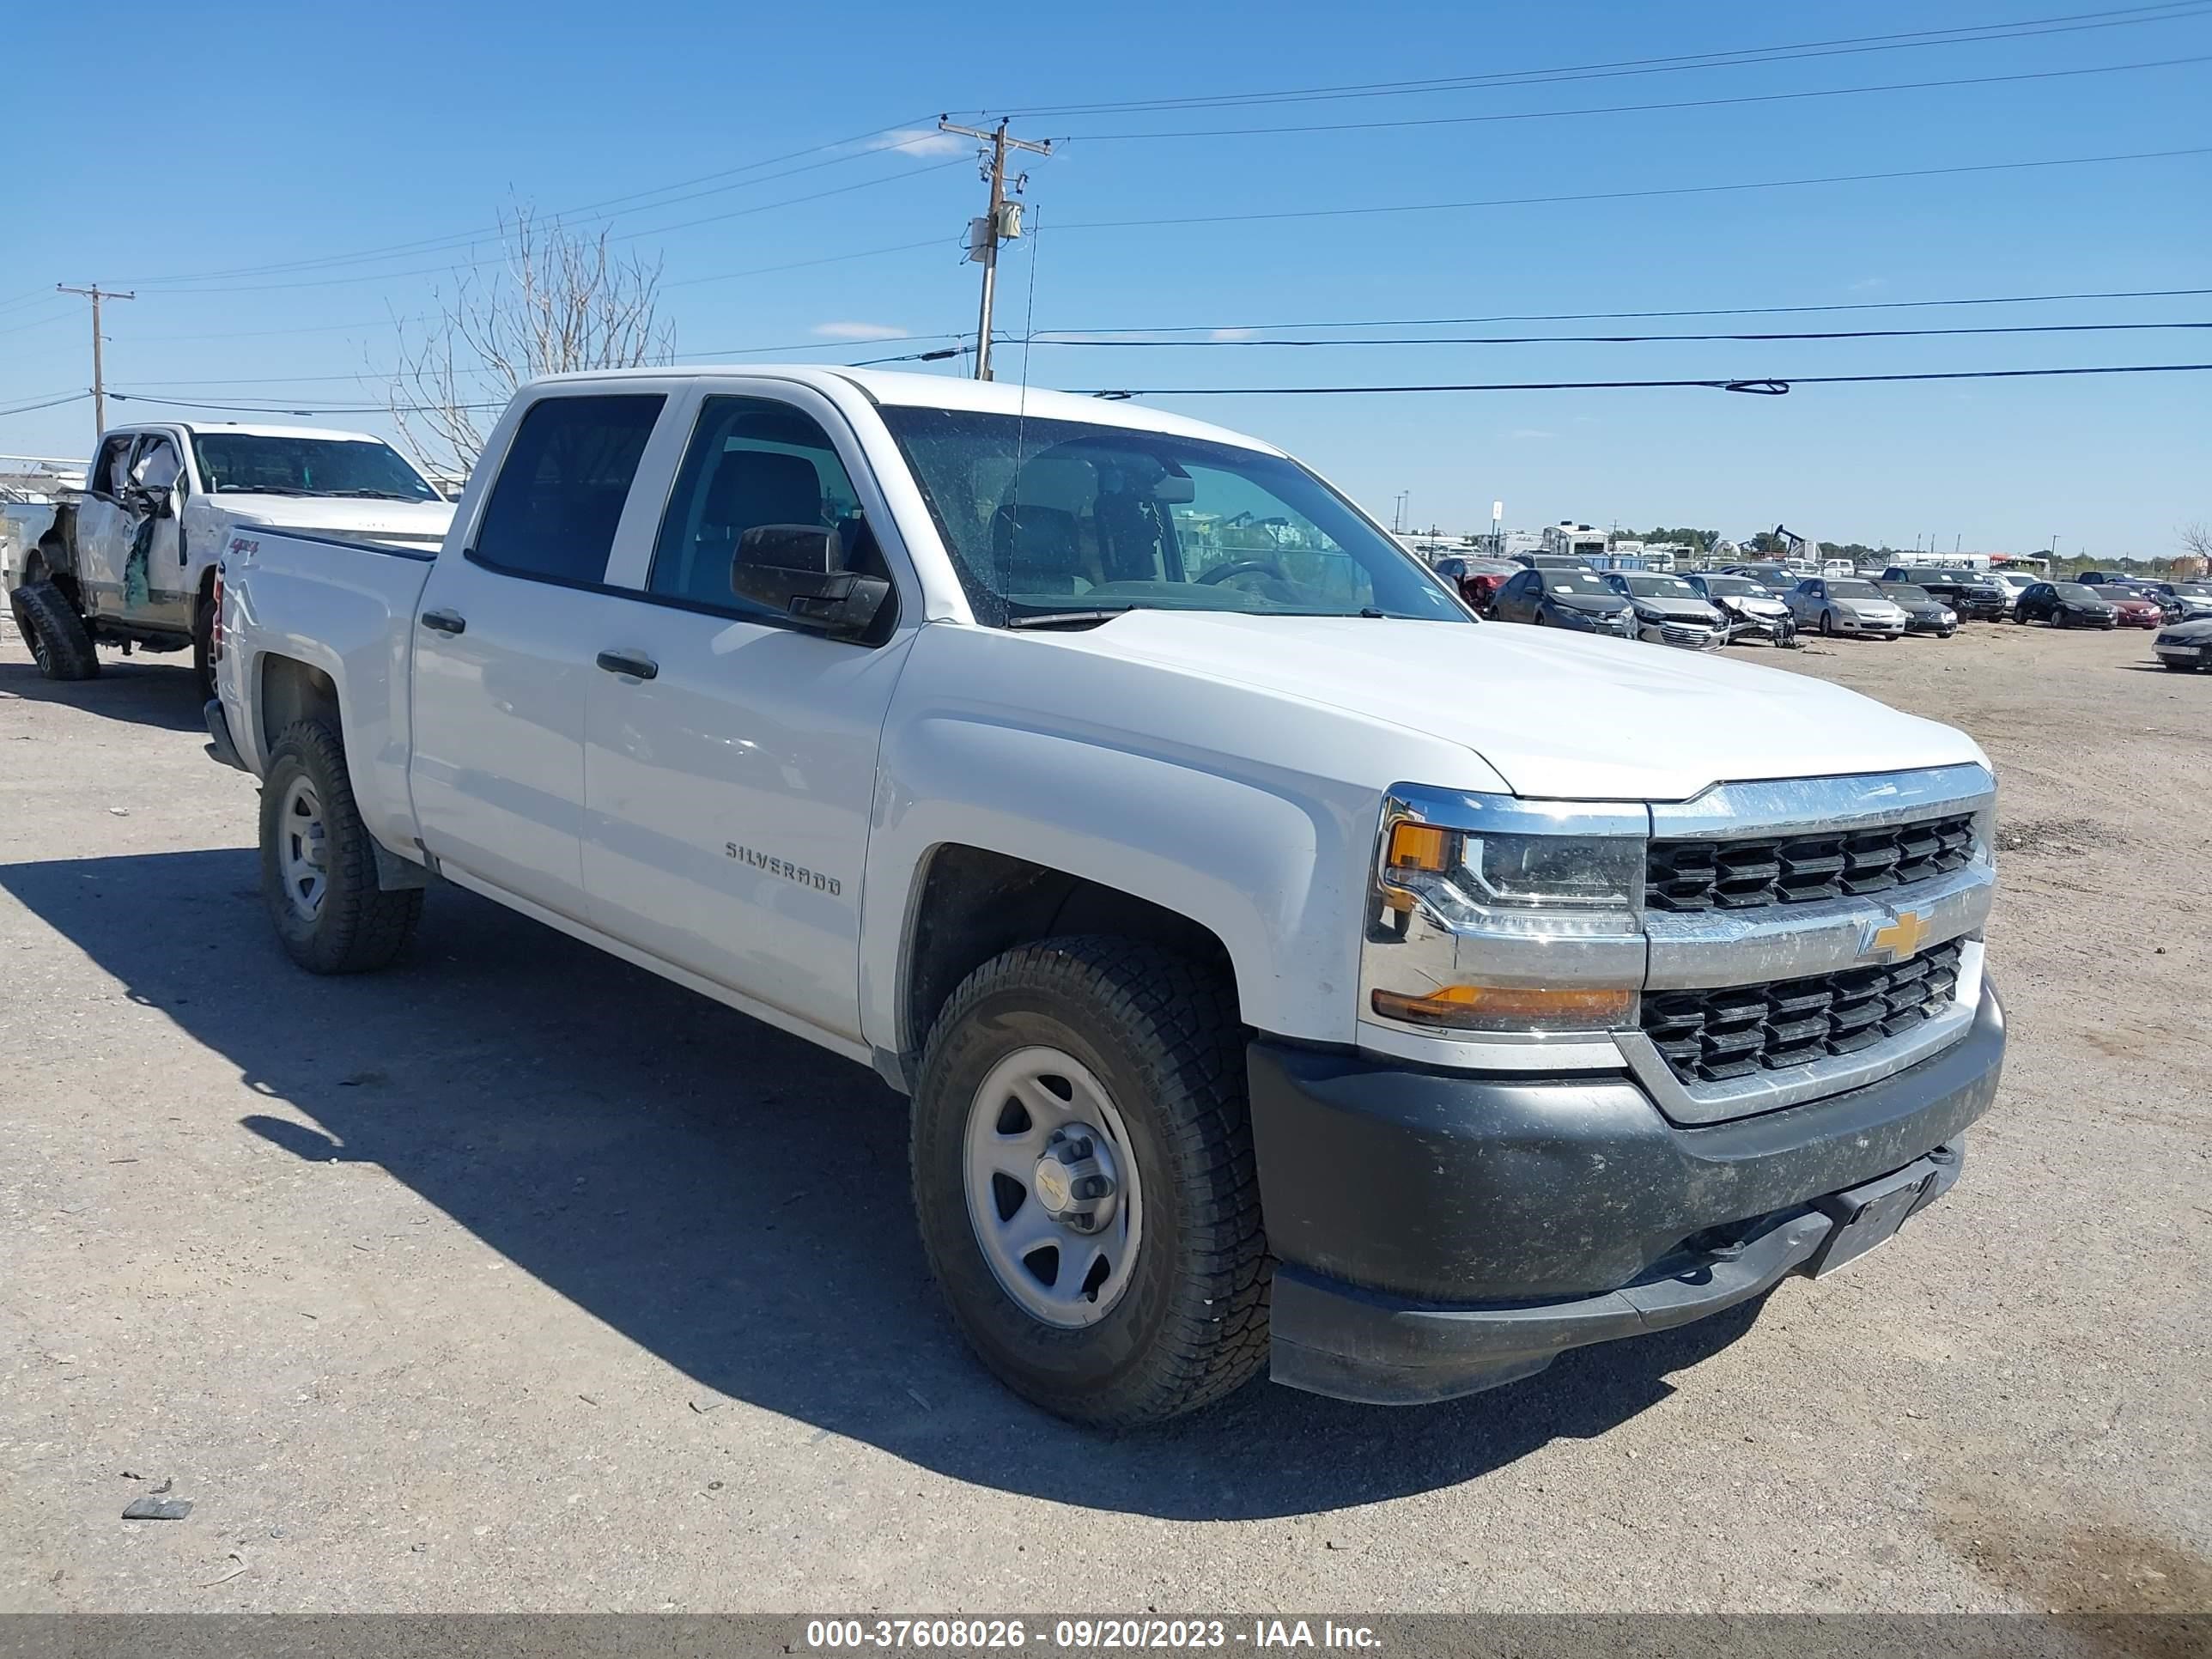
[{"x": 1898, "y": 939}]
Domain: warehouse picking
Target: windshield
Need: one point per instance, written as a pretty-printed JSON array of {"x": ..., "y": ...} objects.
[
  {"x": 1853, "y": 590},
  {"x": 1906, "y": 592},
  {"x": 2192, "y": 591},
  {"x": 1660, "y": 588},
  {"x": 235, "y": 462},
  {"x": 2078, "y": 593},
  {"x": 1049, "y": 517},
  {"x": 1561, "y": 582},
  {"x": 1736, "y": 587}
]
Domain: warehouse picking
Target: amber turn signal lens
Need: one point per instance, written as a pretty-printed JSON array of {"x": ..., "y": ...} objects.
[
  {"x": 1420, "y": 847},
  {"x": 1498, "y": 1007}
]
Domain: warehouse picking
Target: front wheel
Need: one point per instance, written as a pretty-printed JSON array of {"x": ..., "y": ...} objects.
[
  {"x": 319, "y": 863},
  {"x": 1827, "y": 624},
  {"x": 60, "y": 644},
  {"x": 1084, "y": 1178}
]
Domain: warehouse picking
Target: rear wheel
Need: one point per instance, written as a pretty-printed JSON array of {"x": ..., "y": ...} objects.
[
  {"x": 318, "y": 862},
  {"x": 1084, "y": 1178},
  {"x": 59, "y": 642}
]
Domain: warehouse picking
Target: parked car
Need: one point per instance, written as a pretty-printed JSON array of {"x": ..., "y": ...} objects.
[
  {"x": 2014, "y": 584},
  {"x": 1550, "y": 562},
  {"x": 1575, "y": 598},
  {"x": 131, "y": 560},
  {"x": 1923, "y": 612},
  {"x": 2186, "y": 645},
  {"x": 1845, "y": 605},
  {"x": 1207, "y": 887},
  {"x": 2065, "y": 604},
  {"x": 2098, "y": 577},
  {"x": 2192, "y": 599},
  {"x": 1752, "y": 610},
  {"x": 1668, "y": 611},
  {"x": 1971, "y": 593},
  {"x": 2169, "y": 608},
  {"x": 1477, "y": 580},
  {"x": 2135, "y": 608}
]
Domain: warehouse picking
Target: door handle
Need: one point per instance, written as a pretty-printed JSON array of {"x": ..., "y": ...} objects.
[
  {"x": 444, "y": 621},
  {"x": 622, "y": 662}
]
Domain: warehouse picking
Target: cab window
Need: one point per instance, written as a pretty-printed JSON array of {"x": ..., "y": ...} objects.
[
  {"x": 560, "y": 492},
  {"x": 753, "y": 461}
]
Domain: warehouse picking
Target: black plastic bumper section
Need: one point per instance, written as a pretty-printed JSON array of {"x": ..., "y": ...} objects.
[
  {"x": 220, "y": 745},
  {"x": 1439, "y": 1233}
]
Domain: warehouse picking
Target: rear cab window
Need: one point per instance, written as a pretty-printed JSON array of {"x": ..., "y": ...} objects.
[{"x": 562, "y": 486}]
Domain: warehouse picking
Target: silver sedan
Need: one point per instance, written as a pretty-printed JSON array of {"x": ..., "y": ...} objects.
[{"x": 1846, "y": 604}]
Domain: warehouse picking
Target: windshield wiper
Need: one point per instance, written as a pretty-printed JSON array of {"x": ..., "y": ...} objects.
[
  {"x": 259, "y": 490},
  {"x": 375, "y": 494},
  {"x": 1066, "y": 618}
]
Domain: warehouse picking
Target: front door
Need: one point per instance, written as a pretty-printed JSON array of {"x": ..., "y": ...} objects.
[
  {"x": 730, "y": 758},
  {"x": 103, "y": 526},
  {"x": 504, "y": 641}
]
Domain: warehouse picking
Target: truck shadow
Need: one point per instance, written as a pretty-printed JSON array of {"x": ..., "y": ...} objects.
[
  {"x": 139, "y": 691},
  {"x": 729, "y": 1198}
]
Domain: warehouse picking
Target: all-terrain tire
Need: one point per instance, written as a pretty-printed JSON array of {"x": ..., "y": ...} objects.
[
  {"x": 357, "y": 927},
  {"x": 49, "y": 625},
  {"x": 1162, "y": 1033}
]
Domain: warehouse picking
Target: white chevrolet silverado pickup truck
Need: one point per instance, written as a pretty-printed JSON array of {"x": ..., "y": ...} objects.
[{"x": 1288, "y": 971}]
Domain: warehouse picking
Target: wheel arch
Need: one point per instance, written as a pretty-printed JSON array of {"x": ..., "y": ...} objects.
[
  {"x": 290, "y": 691},
  {"x": 970, "y": 904}
]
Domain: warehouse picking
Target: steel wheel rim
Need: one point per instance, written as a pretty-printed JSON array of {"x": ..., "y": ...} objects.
[
  {"x": 1037, "y": 1106},
  {"x": 303, "y": 849}
]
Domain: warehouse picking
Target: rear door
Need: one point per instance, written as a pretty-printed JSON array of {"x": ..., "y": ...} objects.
[
  {"x": 504, "y": 641},
  {"x": 730, "y": 757}
]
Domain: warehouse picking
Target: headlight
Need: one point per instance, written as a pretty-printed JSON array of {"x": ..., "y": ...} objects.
[
  {"x": 1497, "y": 916},
  {"x": 1944, "y": 613}
]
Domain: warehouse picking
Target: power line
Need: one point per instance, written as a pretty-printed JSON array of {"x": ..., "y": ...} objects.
[
  {"x": 1730, "y": 57},
  {"x": 1771, "y": 386},
  {"x": 1626, "y": 194},
  {"x": 278, "y": 409},
  {"x": 1632, "y": 109},
  {"x": 51, "y": 402},
  {"x": 1620, "y": 339},
  {"x": 459, "y": 239},
  {"x": 1632, "y": 316}
]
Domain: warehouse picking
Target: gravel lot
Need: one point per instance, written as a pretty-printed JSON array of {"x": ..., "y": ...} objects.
[{"x": 516, "y": 1279}]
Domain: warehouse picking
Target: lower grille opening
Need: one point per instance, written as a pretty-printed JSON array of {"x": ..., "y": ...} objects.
[{"x": 1713, "y": 1037}]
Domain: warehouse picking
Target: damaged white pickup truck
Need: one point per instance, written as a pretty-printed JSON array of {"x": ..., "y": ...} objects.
[
  {"x": 129, "y": 560},
  {"x": 1289, "y": 972}
]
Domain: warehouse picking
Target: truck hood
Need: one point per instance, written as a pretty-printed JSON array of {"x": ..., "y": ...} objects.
[
  {"x": 1556, "y": 714},
  {"x": 420, "y": 523}
]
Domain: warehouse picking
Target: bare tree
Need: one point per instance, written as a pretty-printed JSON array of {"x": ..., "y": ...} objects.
[
  {"x": 559, "y": 301},
  {"x": 2197, "y": 540}
]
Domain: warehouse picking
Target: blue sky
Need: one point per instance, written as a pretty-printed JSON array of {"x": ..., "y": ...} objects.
[{"x": 282, "y": 134}]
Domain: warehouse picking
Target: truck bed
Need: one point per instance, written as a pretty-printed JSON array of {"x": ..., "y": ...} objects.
[{"x": 347, "y": 608}]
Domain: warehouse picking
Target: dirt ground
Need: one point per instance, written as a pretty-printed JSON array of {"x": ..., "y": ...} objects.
[{"x": 517, "y": 1279}]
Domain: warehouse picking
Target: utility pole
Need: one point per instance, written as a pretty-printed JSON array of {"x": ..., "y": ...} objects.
[
  {"x": 96, "y": 293},
  {"x": 1001, "y": 223}
]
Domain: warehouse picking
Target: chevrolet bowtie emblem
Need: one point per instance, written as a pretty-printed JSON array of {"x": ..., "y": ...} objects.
[{"x": 1898, "y": 939}]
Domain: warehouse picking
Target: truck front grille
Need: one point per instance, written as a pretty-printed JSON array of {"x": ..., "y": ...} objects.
[
  {"x": 1739, "y": 875},
  {"x": 1709, "y": 1036}
]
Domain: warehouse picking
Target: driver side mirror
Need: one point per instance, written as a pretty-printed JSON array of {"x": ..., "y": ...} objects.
[{"x": 795, "y": 569}]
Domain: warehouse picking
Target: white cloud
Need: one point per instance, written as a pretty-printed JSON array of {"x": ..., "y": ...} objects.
[
  {"x": 860, "y": 331},
  {"x": 1232, "y": 334},
  {"x": 1530, "y": 432},
  {"x": 920, "y": 141},
  {"x": 1867, "y": 284}
]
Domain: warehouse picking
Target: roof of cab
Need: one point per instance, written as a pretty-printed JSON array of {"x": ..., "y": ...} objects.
[
  {"x": 251, "y": 430},
  {"x": 882, "y": 386}
]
